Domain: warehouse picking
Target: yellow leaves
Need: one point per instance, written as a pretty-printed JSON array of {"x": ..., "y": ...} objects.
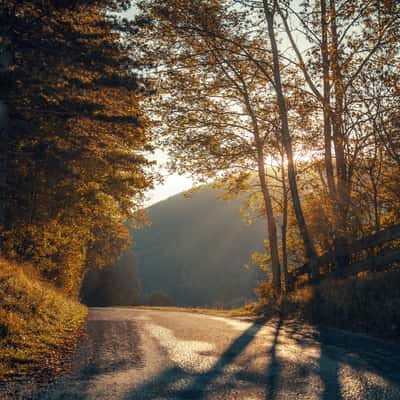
[
  {"x": 92, "y": 130},
  {"x": 262, "y": 260},
  {"x": 77, "y": 179},
  {"x": 48, "y": 245}
]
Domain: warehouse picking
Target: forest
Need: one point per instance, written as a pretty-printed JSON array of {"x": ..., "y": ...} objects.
[
  {"x": 73, "y": 169},
  {"x": 292, "y": 106},
  {"x": 304, "y": 98},
  {"x": 72, "y": 138}
]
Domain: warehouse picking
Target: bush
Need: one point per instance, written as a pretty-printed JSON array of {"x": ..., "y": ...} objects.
[{"x": 269, "y": 303}]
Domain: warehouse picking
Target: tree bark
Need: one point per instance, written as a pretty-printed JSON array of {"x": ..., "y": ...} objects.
[
  {"x": 327, "y": 108},
  {"x": 3, "y": 163},
  {"x": 272, "y": 233},
  {"x": 337, "y": 120},
  {"x": 285, "y": 200},
  {"x": 271, "y": 224},
  {"x": 343, "y": 185},
  {"x": 260, "y": 159},
  {"x": 286, "y": 140},
  {"x": 6, "y": 61}
]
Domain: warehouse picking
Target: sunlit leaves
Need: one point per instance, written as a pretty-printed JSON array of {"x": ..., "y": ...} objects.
[{"x": 78, "y": 171}]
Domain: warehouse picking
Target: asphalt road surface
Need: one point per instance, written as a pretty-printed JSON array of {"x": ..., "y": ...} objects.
[{"x": 149, "y": 354}]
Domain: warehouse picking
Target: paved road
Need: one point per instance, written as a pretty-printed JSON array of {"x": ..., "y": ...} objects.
[{"x": 148, "y": 354}]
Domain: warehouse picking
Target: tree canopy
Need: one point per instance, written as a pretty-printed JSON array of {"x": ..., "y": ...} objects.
[
  {"x": 73, "y": 169},
  {"x": 310, "y": 86}
]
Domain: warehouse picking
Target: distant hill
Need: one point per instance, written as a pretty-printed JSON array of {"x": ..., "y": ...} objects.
[{"x": 195, "y": 251}]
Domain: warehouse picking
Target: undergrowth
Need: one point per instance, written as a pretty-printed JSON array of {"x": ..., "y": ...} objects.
[
  {"x": 369, "y": 303},
  {"x": 37, "y": 322}
]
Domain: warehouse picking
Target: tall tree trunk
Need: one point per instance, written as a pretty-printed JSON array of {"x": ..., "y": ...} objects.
[
  {"x": 271, "y": 224},
  {"x": 287, "y": 142},
  {"x": 285, "y": 200},
  {"x": 343, "y": 186},
  {"x": 3, "y": 162},
  {"x": 337, "y": 119},
  {"x": 327, "y": 108},
  {"x": 6, "y": 61},
  {"x": 260, "y": 159}
]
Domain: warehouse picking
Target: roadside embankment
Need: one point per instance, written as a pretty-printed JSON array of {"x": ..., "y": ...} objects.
[
  {"x": 39, "y": 325},
  {"x": 367, "y": 303}
]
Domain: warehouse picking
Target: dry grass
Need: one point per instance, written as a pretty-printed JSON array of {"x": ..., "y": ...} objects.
[
  {"x": 246, "y": 311},
  {"x": 37, "y": 322},
  {"x": 368, "y": 303}
]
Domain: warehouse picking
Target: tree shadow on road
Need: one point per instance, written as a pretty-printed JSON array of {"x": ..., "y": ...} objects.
[
  {"x": 329, "y": 368},
  {"x": 297, "y": 356},
  {"x": 340, "y": 349},
  {"x": 274, "y": 366},
  {"x": 176, "y": 383}
]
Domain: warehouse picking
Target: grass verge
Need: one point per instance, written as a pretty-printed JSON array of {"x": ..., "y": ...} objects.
[
  {"x": 246, "y": 311},
  {"x": 38, "y": 324}
]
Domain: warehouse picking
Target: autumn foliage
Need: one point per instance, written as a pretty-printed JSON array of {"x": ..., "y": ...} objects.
[
  {"x": 72, "y": 167},
  {"x": 295, "y": 104}
]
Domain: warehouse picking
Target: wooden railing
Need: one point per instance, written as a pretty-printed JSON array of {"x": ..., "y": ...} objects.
[{"x": 354, "y": 248}]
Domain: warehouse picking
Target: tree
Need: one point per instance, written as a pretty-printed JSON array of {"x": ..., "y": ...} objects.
[
  {"x": 75, "y": 166},
  {"x": 345, "y": 39},
  {"x": 211, "y": 105},
  {"x": 229, "y": 97},
  {"x": 286, "y": 137}
]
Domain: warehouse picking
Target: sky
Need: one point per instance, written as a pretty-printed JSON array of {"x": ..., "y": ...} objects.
[{"x": 172, "y": 183}]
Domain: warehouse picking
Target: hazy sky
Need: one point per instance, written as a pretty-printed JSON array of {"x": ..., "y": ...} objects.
[{"x": 172, "y": 184}]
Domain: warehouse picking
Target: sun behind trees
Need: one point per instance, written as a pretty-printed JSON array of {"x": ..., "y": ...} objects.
[
  {"x": 72, "y": 167},
  {"x": 310, "y": 89},
  {"x": 294, "y": 104}
]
